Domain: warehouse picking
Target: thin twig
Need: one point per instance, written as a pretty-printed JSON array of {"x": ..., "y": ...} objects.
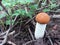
[
  {"x": 4, "y": 8},
  {"x": 11, "y": 21},
  {"x": 29, "y": 21},
  {"x": 55, "y": 16},
  {"x": 41, "y": 8},
  {"x": 5, "y": 35},
  {"x": 26, "y": 10},
  {"x": 49, "y": 38},
  {"x": 15, "y": 18},
  {"x": 29, "y": 42},
  {"x": 11, "y": 33},
  {"x": 57, "y": 42},
  {"x": 16, "y": 35},
  {"x": 31, "y": 33},
  {"x": 11, "y": 43}
]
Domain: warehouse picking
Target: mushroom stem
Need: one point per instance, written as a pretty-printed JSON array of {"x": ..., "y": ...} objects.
[{"x": 40, "y": 30}]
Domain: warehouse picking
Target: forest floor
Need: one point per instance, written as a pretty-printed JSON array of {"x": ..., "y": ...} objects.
[{"x": 24, "y": 33}]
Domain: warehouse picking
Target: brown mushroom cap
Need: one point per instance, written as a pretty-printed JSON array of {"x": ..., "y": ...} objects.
[{"x": 42, "y": 18}]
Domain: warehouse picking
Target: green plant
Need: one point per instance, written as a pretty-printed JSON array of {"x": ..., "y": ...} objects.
[
  {"x": 11, "y": 5},
  {"x": 23, "y": 8},
  {"x": 50, "y": 6}
]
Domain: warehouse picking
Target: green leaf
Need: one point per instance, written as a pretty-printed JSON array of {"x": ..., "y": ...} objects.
[
  {"x": 29, "y": 1},
  {"x": 29, "y": 15},
  {"x": 54, "y": 1},
  {"x": 53, "y": 6},
  {"x": 46, "y": 10},
  {"x": 33, "y": 7},
  {"x": 1, "y": 8},
  {"x": 2, "y": 15},
  {"x": 25, "y": 1},
  {"x": 23, "y": 12},
  {"x": 15, "y": 14},
  {"x": 8, "y": 22},
  {"x": 22, "y": 2},
  {"x": 9, "y": 11},
  {"x": 20, "y": 12},
  {"x": 9, "y": 3},
  {"x": 43, "y": 4}
]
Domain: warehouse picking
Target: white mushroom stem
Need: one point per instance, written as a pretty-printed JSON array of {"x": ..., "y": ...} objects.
[{"x": 40, "y": 30}]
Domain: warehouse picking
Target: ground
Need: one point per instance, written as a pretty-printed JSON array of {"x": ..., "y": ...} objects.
[{"x": 23, "y": 36}]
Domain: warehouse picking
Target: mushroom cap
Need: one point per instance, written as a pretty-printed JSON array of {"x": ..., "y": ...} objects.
[{"x": 42, "y": 18}]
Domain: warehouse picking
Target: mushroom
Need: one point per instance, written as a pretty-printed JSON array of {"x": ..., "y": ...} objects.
[{"x": 42, "y": 20}]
